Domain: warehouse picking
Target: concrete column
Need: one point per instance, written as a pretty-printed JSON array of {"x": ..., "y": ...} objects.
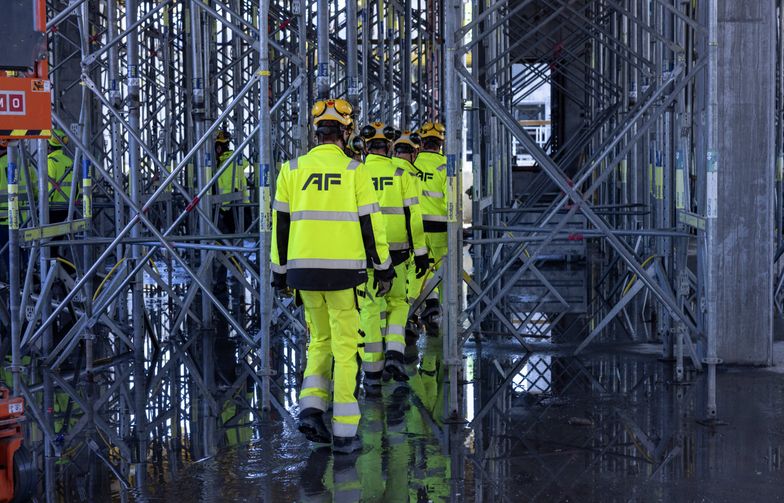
[{"x": 744, "y": 247}]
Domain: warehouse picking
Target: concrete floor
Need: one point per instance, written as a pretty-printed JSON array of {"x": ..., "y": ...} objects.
[{"x": 603, "y": 428}]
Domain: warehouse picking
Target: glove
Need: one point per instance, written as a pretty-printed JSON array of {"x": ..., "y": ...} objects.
[
  {"x": 279, "y": 284},
  {"x": 422, "y": 263},
  {"x": 382, "y": 281}
]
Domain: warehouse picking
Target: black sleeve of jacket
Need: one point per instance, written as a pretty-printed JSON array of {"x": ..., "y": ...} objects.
[
  {"x": 369, "y": 240},
  {"x": 283, "y": 225},
  {"x": 408, "y": 228}
]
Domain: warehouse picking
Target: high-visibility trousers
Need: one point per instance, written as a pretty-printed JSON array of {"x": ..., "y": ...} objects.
[
  {"x": 436, "y": 248},
  {"x": 333, "y": 323},
  {"x": 383, "y": 323}
]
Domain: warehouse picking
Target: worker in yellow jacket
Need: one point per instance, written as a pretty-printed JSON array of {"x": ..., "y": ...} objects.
[
  {"x": 399, "y": 199},
  {"x": 327, "y": 227},
  {"x": 432, "y": 167},
  {"x": 60, "y": 171},
  {"x": 404, "y": 152},
  {"x": 231, "y": 181},
  {"x": 23, "y": 197}
]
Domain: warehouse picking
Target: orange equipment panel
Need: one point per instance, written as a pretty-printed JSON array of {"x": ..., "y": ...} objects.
[{"x": 25, "y": 108}]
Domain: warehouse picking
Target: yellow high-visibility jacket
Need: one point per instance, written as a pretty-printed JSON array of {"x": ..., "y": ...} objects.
[
  {"x": 58, "y": 164},
  {"x": 432, "y": 167},
  {"x": 327, "y": 226},
  {"x": 232, "y": 179},
  {"x": 22, "y": 189},
  {"x": 398, "y": 194}
]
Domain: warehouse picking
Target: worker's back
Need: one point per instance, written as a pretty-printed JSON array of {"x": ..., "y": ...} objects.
[
  {"x": 432, "y": 176},
  {"x": 59, "y": 182},
  {"x": 325, "y": 195}
]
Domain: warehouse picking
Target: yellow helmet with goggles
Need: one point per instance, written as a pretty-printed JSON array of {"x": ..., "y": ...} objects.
[
  {"x": 222, "y": 137},
  {"x": 379, "y": 131},
  {"x": 432, "y": 130},
  {"x": 58, "y": 138},
  {"x": 409, "y": 138},
  {"x": 333, "y": 110}
]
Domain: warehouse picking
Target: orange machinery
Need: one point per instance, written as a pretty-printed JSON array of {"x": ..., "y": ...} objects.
[
  {"x": 25, "y": 91},
  {"x": 17, "y": 472}
]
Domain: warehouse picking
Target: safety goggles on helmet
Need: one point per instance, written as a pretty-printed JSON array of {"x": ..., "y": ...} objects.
[
  {"x": 379, "y": 131},
  {"x": 409, "y": 138},
  {"x": 332, "y": 110},
  {"x": 432, "y": 130},
  {"x": 356, "y": 144},
  {"x": 58, "y": 138}
]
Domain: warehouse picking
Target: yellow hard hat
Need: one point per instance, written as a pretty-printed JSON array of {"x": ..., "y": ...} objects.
[
  {"x": 409, "y": 138},
  {"x": 57, "y": 136},
  {"x": 379, "y": 131},
  {"x": 222, "y": 137},
  {"x": 432, "y": 130},
  {"x": 333, "y": 110}
]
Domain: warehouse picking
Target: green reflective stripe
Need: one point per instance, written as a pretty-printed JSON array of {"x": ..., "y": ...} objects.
[
  {"x": 312, "y": 402},
  {"x": 315, "y": 381},
  {"x": 411, "y": 201},
  {"x": 392, "y": 210},
  {"x": 346, "y": 476},
  {"x": 353, "y": 165},
  {"x": 385, "y": 265},
  {"x": 399, "y": 172},
  {"x": 345, "y": 409},
  {"x": 395, "y": 347},
  {"x": 367, "y": 209},
  {"x": 348, "y": 496},
  {"x": 280, "y": 269},
  {"x": 398, "y": 246},
  {"x": 344, "y": 429},
  {"x": 421, "y": 251},
  {"x": 434, "y": 218},
  {"x": 430, "y": 193},
  {"x": 294, "y": 164},
  {"x": 325, "y": 263},
  {"x": 335, "y": 216},
  {"x": 383, "y": 315},
  {"x": 441, "y": 168},
  {"x": 374, "y": 347},
  {"x": 278, "y": 206}
]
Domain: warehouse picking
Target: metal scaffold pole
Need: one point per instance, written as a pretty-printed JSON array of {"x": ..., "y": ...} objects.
[{"x": 454, "y": 263}]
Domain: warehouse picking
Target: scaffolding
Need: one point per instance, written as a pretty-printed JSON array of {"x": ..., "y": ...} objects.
[{"x": 144, "y": 332}]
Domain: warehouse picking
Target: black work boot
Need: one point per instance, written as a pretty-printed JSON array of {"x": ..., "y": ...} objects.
[
  {"x": 394, "y": 367},
  {"x": 431, "y": 317},
  {"x": 346, "y": 445},
  {"x": 313, "y": 427}
]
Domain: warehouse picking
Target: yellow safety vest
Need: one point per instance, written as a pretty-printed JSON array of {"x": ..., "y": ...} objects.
[
  {"x": 326, "y": 222},
  {"x": 399, "y": 199},
  {"x": 232, "y": 180},
  {"x": 58, "y": 163},
  {"x": 432, "y": 176}
]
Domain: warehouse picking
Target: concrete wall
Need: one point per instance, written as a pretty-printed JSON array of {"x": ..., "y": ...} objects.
[{"x": 746, "y": 80}]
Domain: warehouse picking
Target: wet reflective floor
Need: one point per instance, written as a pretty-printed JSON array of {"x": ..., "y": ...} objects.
[{"x": 541, "y": 427}]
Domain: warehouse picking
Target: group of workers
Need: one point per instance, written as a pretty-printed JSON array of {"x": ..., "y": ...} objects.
[
  {"x": 59, "y": 172},
  {"x": 357, "y": 224}
]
